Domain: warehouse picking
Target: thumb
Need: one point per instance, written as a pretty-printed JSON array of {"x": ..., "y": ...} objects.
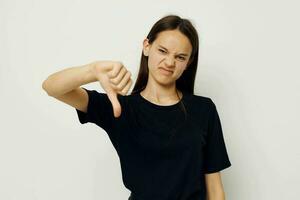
[{"x": 112, "y": 95}]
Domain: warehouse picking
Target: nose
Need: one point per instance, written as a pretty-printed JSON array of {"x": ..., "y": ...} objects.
[{"x": 169, "y": 61}]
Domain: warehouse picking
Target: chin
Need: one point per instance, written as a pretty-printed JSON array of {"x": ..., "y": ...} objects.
[{"x": 165, "y": 81}]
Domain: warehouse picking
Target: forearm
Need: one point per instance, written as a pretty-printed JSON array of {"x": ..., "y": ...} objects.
[
  {"x": 219, "y": 195},
  {"x": 68, "y": 79}
]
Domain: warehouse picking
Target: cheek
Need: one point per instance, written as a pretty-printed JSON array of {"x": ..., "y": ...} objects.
[
  {"x": 181, "y": 66},
  {"x": 155, "y": 60}
]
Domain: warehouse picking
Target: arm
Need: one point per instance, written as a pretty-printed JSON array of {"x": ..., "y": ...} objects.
[
  {"x": 69, "y": 79},
  {"x": 113, "y": 77},
  {"x": 214, "y": 186},
  {"x": 64, "y": 85}
]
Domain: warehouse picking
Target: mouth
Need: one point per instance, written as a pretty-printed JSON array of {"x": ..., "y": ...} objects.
[{"x": 166, "y": 71}]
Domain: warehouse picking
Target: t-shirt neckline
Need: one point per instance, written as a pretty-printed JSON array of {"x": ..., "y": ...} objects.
[{"x": 161, "y": 107}]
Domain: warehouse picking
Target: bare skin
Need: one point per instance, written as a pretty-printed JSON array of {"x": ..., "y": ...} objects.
[
  {"x": 214, "y": 187},
  {"x": 65, "y": 84}
]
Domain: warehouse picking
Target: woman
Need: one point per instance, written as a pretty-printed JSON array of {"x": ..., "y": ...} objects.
[{"x": 169, "y": 141}]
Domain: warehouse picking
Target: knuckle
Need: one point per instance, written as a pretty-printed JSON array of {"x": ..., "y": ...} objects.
[
  {"x": 112, "y": 73},
  {"x": 113, "y": 81},
  {"x": 118, "y": 87},
  {"x": 123, "y": 70},
  {"x": 119, "y": 64}
]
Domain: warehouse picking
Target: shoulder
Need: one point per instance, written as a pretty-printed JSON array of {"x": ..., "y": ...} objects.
[
  {"x": 128, "y": 101},
  {"x": 126, "y": 98},
  {"x": 200, "y": 101},
  {"x": 103, "y": 95},
  {"x": 101, "y": 99}
]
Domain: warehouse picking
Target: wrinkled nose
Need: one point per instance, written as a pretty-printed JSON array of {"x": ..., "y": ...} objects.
[{"x": 169, "y": 61}]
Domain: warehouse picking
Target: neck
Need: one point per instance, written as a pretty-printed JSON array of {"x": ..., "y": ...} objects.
[{"x": 161, "y": 95}]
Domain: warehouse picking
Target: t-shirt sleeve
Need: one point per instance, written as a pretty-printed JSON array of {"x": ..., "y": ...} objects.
[
  {"x": 215, "y": 153},
  {"x": 99, "y": 111}
]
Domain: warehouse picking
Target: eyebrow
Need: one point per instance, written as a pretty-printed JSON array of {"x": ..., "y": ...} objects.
[{"x": 183, "y": 54}]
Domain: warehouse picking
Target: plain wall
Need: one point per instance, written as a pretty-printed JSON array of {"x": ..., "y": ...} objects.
[{"x": 248, "y": 64}]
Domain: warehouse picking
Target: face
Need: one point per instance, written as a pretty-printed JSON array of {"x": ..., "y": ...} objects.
[{"x": 168, "y": 56}]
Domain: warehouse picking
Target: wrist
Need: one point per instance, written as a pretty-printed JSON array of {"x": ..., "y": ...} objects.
[{"x": 90, "y": 73}]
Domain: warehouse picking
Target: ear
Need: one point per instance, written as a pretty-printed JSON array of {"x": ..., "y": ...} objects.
[{"x": 146, "y": 47}]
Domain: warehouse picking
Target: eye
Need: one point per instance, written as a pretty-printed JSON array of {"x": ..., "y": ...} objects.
[
  {"x": 161, "y": 50},
  {"x": 181, "y": 58}
]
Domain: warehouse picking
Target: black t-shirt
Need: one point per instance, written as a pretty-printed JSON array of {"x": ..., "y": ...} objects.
[{"x": 163, "y": 153}]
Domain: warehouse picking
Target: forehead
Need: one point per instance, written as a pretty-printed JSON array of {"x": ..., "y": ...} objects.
[{"x": 174, "y": 40}]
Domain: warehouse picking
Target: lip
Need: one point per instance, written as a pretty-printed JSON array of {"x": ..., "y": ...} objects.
[{"x": 166, "y": 70}]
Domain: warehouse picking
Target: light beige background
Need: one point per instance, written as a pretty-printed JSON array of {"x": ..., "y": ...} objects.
[{"x": 248, "y": 64}]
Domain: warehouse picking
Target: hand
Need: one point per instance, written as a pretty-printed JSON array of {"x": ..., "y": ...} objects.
[{"x": 114, "y": 79}]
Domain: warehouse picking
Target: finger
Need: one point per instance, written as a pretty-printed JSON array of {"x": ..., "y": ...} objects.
[
  {"x": 115, "y": 70},
  {"x": 123, "y": 82},
  {"x": 119, "y": 77},
  {"x": 127, "y": 87},
  {"x": 115, "y": 103}
]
